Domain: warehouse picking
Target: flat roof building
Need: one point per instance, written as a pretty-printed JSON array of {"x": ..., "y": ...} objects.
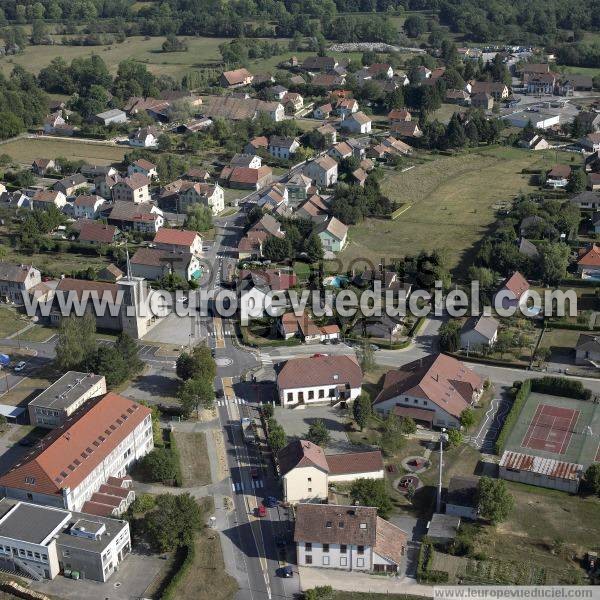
[
  {"x": 52, "y": 407},
  {"x": 41, "y": 541}
]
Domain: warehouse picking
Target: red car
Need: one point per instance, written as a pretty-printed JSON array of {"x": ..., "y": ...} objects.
[{"x": 262, "y": 511}]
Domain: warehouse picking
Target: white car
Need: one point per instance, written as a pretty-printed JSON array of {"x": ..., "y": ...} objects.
[{"x": 20, "y": 366}]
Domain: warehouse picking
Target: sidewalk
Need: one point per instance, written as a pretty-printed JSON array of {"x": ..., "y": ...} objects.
[{"x": 348, "y": 581}]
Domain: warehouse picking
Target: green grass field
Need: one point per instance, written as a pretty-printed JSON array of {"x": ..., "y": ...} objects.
[
  {"x": 582, "y": 447},
  {"x": 453, "y": 203},
  {"x": 25, "y": 150},
  {"x": 200, "y": 50}
]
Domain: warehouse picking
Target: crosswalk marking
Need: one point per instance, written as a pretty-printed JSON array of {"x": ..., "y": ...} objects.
[
  {"x": 257, "y": 483},
  {"x": 265, "y": 359},
  {"x": 237, "y": 486}
]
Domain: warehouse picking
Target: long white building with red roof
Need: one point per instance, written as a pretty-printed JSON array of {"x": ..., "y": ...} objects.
[{"x": 77, "y": 465}]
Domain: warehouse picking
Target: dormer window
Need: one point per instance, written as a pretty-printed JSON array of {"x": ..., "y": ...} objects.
[
  {"x": 30, "y": 480},
  {"x": 329, "y": 524}
]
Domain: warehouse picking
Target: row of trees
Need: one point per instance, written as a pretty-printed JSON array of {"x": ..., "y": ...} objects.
[{"x": 197, "y": 371}]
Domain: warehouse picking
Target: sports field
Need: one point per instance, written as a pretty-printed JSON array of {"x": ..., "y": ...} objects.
[{"x": 564, "y": 429}]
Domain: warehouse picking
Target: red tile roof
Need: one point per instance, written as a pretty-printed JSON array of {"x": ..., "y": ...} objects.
[
  {"x": 94, "y": 231},
  {"x": 355, "y": 462},
  {"x": 517, "y": 284},
  {"x": 67, "y": 455},
  {"x": 177, "y": 237},
  {"x": 589, "y": 257},
  {"x": 320, "y": 370},
  {"x": 301, "y": 453}
]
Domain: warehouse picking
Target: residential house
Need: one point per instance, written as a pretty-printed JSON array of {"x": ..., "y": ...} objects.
[
  {"x": 328, "y": 81},
  {"x": 91, "y": 172},
  {"x": 42, "y": 541},
  {"x": 134, "y": 188},
  {"x": 569, "y": 83},
  {"x": 209, "y": 194},
  {"x": 590, "y": 121},
  {"x": 460, "y": 97},
  {"x": 558, "y": 176},
  {"x": 155, "y": 263},
  {"x": 357, "y": 123},
  {"x": 360, "y": 176},
  {"x": 375, "y": 71},
  {"x": 588, "y": 200},
  {"x": 297, "y": 188},
  {"x": 407, "y": 129},
  {"x": 532, "y": 69},
  {"x": 236, "y": 78},
  {"x": 513, "y": 292},
  {"x": 461, "y": 498},
  {"x": 333, "y": 235},
  {"x": 16, "y": 279},
  {"x": 256, "y": 144},
  {"x": 593, "y": 181},
  {"x": 323, "y": 112},
  {"x": 534, "y": 142},
  {"x": 315, "y": 64},
  {"x": 144, "y": 167},
  {"x": 197, "y": 174},
  {"x": 437, "y": 384},
  {"x": 290, "y": 325},
  {"x": 306, "y": 471},
  {"x": 239, "y": 109},
  {"x": 329, "y": 132},
  {"x": 282, "y": 147},
  {"x": 245, "y": 178},
  {"x": 56, "y": 123},
  {"x": 293, "y": 102},
  {"x": 248, "y": 161},
  {"x": 397, "y": 116},
  {"x": 112, "y": 116},
  {"x": 87, "y": 207},
  {"x": 527, "y": 248},
  {"x": 178, "y": 240},
  {"x": 345, "y": 107},
  {"x": 269, "y": 225},
  {"x": 587, "y": 350},
  {"x": 255, "y": 287},
  {"x": 341, "y": 150},
  {"x": 110, "y": 273},
  {"x": 145, "y": 137},
  {"x": 323, "y": 171},
  {"x": 274, "y": 199},
  {"x": 130, "y": 216},
  {"x": 591, "y": 142},
  {"x": 314, "y": 209},
  {"x": 351, "y": 538},
  {"x": 318, "y": 378},
  {"x": 541, "y": 83},
  {"x": 69, "y": 185},
  {"x": 276, "y": 92},
  {"x": 98, "y": 233},
  {"x": 102, "y": 439},
  {"x": 592, "y": 163},
  {"x": 498, "y": 91},
  {"x": 40, "y": 166},
  {"x": 588, "y": 264},
  {"x": 422, "y": 73},
  {"x": 478, "y": 332},
  {"x": 52, "y": 407},
  {"x": 483, "y": 100},
  {"x": 44, "y": 199},
  {"x": 104, "y": 185},
  {"x": 381, "y": 327}
]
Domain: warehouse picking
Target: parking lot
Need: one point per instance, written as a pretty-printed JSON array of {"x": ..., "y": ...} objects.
[{"x": 296, "y": 421}]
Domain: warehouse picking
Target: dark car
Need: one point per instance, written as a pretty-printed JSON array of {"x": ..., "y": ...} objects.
[
  {"x": 270, "y": 502},
  {"x": 26, "y": 442},
  {"x": 286, "y": 571}
]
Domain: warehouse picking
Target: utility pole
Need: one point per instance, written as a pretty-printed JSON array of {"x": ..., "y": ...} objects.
[{"x": 443, "y": 438}]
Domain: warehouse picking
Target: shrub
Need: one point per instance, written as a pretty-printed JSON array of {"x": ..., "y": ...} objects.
[
  {"x": 561, "y": 386},
  {"x": 519, "y": 401},
  {"x": 159, "y": 465}
]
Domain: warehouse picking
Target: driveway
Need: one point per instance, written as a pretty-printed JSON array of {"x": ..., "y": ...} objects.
[{"x": 349, "y": 581}]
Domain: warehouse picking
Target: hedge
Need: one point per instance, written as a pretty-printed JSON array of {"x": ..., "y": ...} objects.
[
  {"x": 570, "y": 326},
  {"x": 487, "y": 361},
  {"x": 252, "y": 344},
  {"x": 561, "y": 386},
  {"x": 170, "y": 590},
  {"x": 513, "y": 415},
  {"x": 175, "y": 451},
  {"x": 425, "y": 574}
]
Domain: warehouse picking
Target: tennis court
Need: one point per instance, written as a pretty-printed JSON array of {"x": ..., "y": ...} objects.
[
  {"x": 551, "y": 428},
  {"x": 555, "y": 427}
]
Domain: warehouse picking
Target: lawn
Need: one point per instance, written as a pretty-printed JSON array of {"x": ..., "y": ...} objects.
[
  {"x": 560, "y": 340},
  {"x": 201, "y": 51},
  {"x": 10, "y": 322},
  {"x": 453, "y": 202},
  {"x": 372, "y": 596},
  {"x": 193, "y": 458},
  {"x": 445, "y": 112},
  {"x": 27, "y": 149}
]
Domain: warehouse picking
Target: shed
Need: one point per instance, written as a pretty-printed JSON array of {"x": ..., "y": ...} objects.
[
  {"x": 442, "y": 529},
  {"x": 12, "y": 413}
]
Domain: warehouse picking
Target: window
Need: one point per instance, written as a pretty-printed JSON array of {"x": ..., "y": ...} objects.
[
  {"x": 321, "y": 393},
  {"x": 37, "y": 555},
  {"x": 308, "y": 546},
  {"x": 343, "y": 561},
  {"x": 341, "y": 524},
  {"x": 30, "y": 480},
  {"x": 326, "y": 560},
  {"x": 416, "y": 401},
  {"x": 360, "y": 549},
  {"x": 343, "y": 549},
  {"x": 309, "y": 479},
  {"x": 325, "y": 547},
  {"x": 332, "y": 393},
  {"x": 308, "y": 559},
  {"x": 29, "y": 554},
  {"x": 311, "y": 394},
  {"x": 363, "y": 525},
  {"x": 360, "y": 562},
  {"x": 290, "y": 397},
  {"x": 310, "y": 489},
  {"x": 328, "y": 524}
]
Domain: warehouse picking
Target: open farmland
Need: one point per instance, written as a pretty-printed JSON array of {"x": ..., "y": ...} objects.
[
  {"x": 200, "y": 51},
  {"x": 453, "y": 202},
  {"x": 25, "y": 150}
]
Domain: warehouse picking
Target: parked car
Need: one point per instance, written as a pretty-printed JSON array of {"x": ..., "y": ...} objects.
[
  {"x": 270, "y": 502},
  {"x": 286, "y": 571},
  {"x": 262, "y": 511},
  {"x": 20, "y": 366}
]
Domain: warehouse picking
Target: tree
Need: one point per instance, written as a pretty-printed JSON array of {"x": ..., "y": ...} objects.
[
  {"x": 10, "y": 125},
  {"x": 455, "y": 438},
  {"x": 455, "y": 133},
  {"x": 313, "y": 248},
  {"x": 199, "y": 218},
  {"x": 76, "y": 342},
  {"x": 195, "y": 393},
  {"x": 174, "y": 521},
  {"x": 322, "y": 592},
  {"x": 318, "y": 433},
  {"x": 39, "y": 32},
  {"x": 165, "y": 144},
  {"x": 277, "y": 438},
  {"x": 161, "y": 464},
  {"x": 494, "y": 501},
  {"x": 577, "y": 181},
  {"x": 277, "y": 249},
  {"x": 415, "y": 25},
  {"x": 591, "y": 478},
  {"x": 392, "y": 439},
  {"x": 362, "y": 410},
  {"x": 407, "y": 426},
  {"x": 450, "y": 336},
  {"x": 199, "y": 364},
  {"x": 554, "y": 261},
  {"x": 467, "y": 418},
  {"x": 372, "y": 492},
  {"x": 542, "y": 354}
]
